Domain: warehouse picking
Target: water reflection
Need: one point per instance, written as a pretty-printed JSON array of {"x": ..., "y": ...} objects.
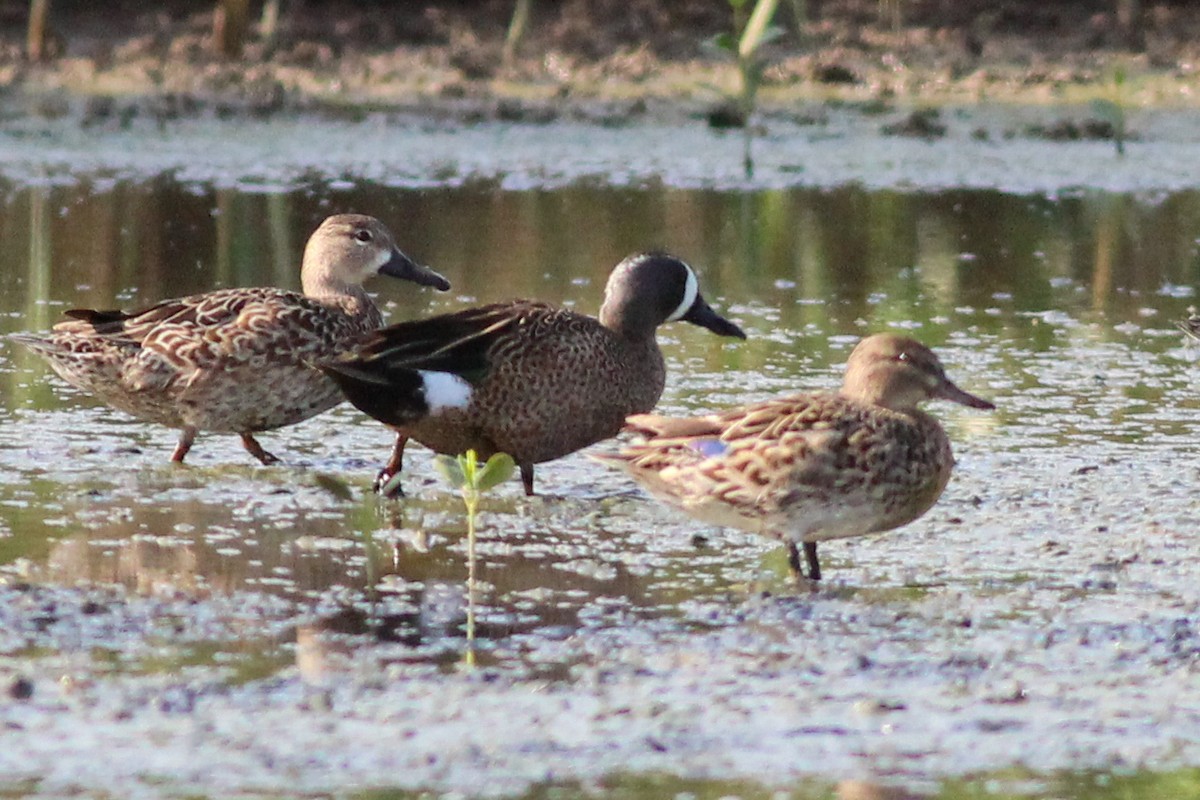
[
  {"x": 798, "y": 266},
  {"x": 855, "y": 252},
  {"x": 1054, "y": 305},
  {"x": 385, "y": 572}
]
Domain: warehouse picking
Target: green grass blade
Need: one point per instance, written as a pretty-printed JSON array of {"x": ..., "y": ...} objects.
[{"x": 756, "y": 27}]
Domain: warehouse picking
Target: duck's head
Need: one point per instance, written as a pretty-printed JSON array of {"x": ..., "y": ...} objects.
[
  {"x": 647, "y": 289},
  {"x": 348, "y": 249},
  {"x": 897, "y": 372}
]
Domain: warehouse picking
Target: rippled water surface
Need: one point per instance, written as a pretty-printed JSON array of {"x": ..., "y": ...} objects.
[{"x": 1043, "y": 614}]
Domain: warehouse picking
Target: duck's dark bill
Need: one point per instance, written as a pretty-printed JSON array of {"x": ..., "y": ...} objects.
[
  {"x": 701, "y": 314},
  {"x": 956, "y": 395},
  {"x": 402, "y": 267}
]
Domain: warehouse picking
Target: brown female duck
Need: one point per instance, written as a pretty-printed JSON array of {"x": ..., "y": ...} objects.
[
  {"x": 235, "y": 360},
  {"x": 811, "y": 467}
]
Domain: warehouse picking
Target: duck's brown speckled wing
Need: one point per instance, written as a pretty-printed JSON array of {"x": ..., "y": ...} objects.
[
  {"x": 176, "y": 342},
  {"x": 202, "y": 310}
]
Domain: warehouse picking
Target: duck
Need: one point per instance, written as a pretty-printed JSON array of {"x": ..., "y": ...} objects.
[
  {"x": 524, "y": 377},
  {"x": 236, "y": 360},
  {"x": 1190, "y": 325},
  {"x": 810, "y": 467}
]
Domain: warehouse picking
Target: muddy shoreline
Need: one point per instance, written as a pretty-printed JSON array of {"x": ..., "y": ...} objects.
[{"x": 605, "y": 63}]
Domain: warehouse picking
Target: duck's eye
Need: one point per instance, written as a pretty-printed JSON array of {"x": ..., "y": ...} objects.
[
  {"x": 363, "y": 236},
  {"x": 902, "y": 357}
]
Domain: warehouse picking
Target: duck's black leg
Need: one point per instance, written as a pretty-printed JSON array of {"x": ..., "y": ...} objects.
[
  {"x": 810, "y": 559},
  {"x": 794, "y": 560},
  {"x": 527, "y": 478},
  {"x": 392, "y": 468}
]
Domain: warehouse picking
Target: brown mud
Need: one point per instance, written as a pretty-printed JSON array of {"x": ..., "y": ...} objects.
[{"x": 603, "y": 61}]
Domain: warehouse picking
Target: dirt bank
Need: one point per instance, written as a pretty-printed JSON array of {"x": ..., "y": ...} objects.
[{"x": 611, "y": 62}]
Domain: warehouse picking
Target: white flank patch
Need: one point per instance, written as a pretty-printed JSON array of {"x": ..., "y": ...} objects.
[
  {"x": 444, "y": 390},
  {"x": 690, "y": 290}
]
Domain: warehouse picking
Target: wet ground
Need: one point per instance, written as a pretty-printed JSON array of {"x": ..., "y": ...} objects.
[{"x": 224, "y": 629}]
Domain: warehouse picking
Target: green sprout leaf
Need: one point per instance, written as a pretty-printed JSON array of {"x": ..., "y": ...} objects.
[
  {"x": 498, "y": 469},
  {"x": 450, "y": 468},
  {"x": 468, "y": 463},
  {"x": 724, "y": 42},
  {"x": 465, "y": 473}
]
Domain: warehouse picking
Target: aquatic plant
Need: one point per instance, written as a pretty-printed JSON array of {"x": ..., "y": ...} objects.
[
  {"x": 516, "y": 28},
  {"x": 750, "y": 32},
  {"x": 1112, "y": 110},
  {"x": 465, "y": 473}
]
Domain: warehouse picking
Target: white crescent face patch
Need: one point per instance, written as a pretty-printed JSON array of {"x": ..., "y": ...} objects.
[
  {"x": 444, "y": 390},
  {"x": 382, "y": 257},
  {"x": 690, "y": 290}
]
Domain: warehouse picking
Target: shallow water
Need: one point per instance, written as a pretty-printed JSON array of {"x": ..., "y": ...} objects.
[{"x": 1043, "y": 614}]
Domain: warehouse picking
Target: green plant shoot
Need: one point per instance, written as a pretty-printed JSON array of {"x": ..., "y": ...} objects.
[
  {"x": 465, "y": 473},
  {"x": 759, "y": 30},
  {"x": 748, "y": 35},
  {"x": 1112, "y": 110}
]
